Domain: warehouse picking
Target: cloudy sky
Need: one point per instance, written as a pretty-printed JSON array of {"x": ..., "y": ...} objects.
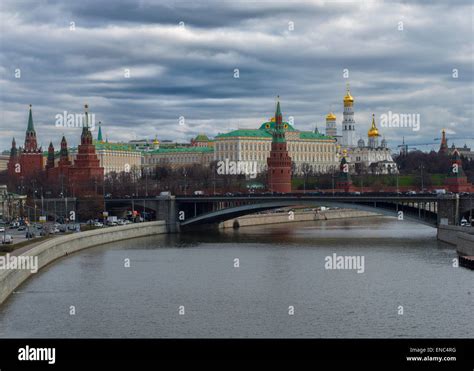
[{"x": 182, "y": 58}]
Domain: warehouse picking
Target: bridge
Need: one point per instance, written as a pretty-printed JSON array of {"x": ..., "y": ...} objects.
[{"x": 187, "y": 211}]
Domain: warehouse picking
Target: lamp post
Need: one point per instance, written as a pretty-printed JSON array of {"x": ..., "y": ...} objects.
[
  {"x": 332, "y": 180},
  {"x": 185, "y": 173},
  {"x": 397, "y": 174},
  {"x": 422, "y": 181}
]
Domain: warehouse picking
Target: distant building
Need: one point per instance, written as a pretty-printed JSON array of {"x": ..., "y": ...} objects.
[
  {"x": 202, "y": 141},
  {"x": 178, "y": 157},
  {"x": 4, "y": 162},
  {"x": 304, "y": 147},
  {"x": 464, "y": 151},
  {"x": 374, "y": 158},
  {"x": 86, "y": 170}
]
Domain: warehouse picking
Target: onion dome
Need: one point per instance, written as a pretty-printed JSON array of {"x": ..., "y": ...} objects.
[
  {"x": 361, "y": 143},
  {"x": 331, "y": 117},
  {"x": 348, "y": 99},
  {"x": 373, "y": 132}
]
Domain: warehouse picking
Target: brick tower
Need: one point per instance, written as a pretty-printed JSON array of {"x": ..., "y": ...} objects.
[
  {"x": 26, "y": 161},
  {"x": 344, "y": 181},
  {"x": 443, "y": 147},
  {"x": 456, "y": 181},
  {"x": 279, "y": 163},
  {"x": 13, "y": 166},
  {"x": 86, "y": 175},
  {"x": 50, "y": 160}
]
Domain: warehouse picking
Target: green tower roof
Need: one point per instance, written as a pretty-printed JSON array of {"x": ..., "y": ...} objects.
[
  {"x": 278, "y": 111},
  {"x": 99, "y": 134},
  {"x": 30, "y": 121}
]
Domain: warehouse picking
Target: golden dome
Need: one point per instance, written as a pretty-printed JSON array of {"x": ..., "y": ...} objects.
[
  {"x": 156, "y": 141},
  {"x": 348, "y": 99},
  {"x": 272, "y": 119},
  {"x": 373, "y": 131},
  {"x": 331, "y": 116}
]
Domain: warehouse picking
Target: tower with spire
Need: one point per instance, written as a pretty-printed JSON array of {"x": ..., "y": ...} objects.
[
  {"x": 456, "y": 180},
  {"x": 86, "y": 175},
  {"x": 279, "y": 162},
  {"x": 58, "y": 172},
  {"x": 344, "y": 181},
  {"x": 443, "y": 147},
  {"x": 100, "y": 139},
  {"x": 50, "y": 160},
  {"x": 373, "y": 134},
  {"x": 348, "y": 122},
  {"x": 13, "y": 161},
  {"x": 26, "y": 161}
]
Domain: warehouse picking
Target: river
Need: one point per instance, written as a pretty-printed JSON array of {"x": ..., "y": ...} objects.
[{"x": 191, "y": 285}]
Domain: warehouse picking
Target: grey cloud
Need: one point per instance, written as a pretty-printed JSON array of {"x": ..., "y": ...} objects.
[{"x": 407, "y": 71}]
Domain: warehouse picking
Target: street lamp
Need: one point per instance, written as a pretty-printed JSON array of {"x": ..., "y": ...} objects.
[
  {"x": 422, "y": 181},
  {"x": 185, "y": 173}
]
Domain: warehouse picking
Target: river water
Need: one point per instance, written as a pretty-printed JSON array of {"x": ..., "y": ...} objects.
[{"x": 189, "y": 285}]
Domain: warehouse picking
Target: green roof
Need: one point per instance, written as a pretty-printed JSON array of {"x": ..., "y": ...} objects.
[
  {"x": 202, "y": 138},
  {"x": 180, "y": 150},
  {"x": 255, "y": 133},
  {"x": 270, "y": 125},
  {"x": 262, "y": 133},
  {"x": 313, "y": 135},
  {"x": 114, "y": 146}
]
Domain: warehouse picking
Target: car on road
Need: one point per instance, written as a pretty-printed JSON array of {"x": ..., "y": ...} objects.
[
  {"x": 7, "y": 239},
  {"x": 464, "y": 223},
  {"x": 2, "y": 229},
  {"x": 22, "y": 228},
  {"x": 98, "y": 225}
]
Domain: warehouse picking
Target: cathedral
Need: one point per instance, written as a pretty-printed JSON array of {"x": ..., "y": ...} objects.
[{"x": 373, "y": 157}]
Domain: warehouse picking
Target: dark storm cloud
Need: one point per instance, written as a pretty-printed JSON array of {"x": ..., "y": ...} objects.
[{"x": 189, "y": 71}]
